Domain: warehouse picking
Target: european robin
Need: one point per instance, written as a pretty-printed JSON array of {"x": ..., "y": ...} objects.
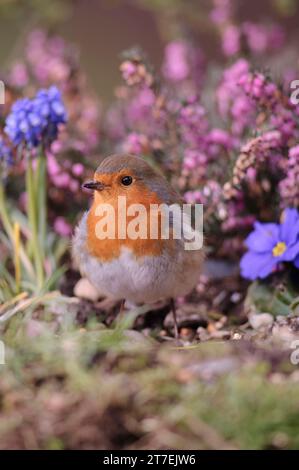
[{"x": 142, "y": 266}]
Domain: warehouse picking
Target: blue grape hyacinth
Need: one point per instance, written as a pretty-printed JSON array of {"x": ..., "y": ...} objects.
[
  {"x": 6, "y": 158},
  {"x": 48, "y": 105},
  {"x": 34, "y": 122},
  {"x": 23, "y": 125}
]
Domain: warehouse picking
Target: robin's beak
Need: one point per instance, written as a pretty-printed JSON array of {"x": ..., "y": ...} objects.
[{"x": 94, "y": 185}]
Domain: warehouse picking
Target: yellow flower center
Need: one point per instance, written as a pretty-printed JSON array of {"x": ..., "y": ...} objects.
[{"x": 279, "y": 249}]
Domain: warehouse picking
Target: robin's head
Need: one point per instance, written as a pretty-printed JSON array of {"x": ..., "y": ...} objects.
[{"x": 130, "y": 176}]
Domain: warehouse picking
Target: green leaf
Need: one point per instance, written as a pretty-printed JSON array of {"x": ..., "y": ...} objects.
[{"x": 264, "y": 297}]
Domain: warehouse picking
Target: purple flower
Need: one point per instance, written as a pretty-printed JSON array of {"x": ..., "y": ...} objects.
[
  {"x": 34, "y": 121},
  {"x": 192, "y": 122},
  {"x": 62, "y": 227},
  {"x": 231, "y": 41},
  {"x": 19, "y": 75},
  {"x": 135, "y": 143},
  {"x": 6, "y": 159},
  {"x": 129, "y": 69},
  {"x": 221, "y": 12},
  {"x": 48, "y": 105},
  {"x": 140, "y": 109},
  {"x": 261, "y": 38},
  {"x": 270, "y": 244},
  {"x": 5, "y": 153},
  {"x": 183, "y": 61},
  {"x": 176, "y": 67},
  {"x": 23, "y": 125},
  {"x": 194, "y": 159},
  {"x": 289, "y": 186},
  {"x": 231, "y": 99}
]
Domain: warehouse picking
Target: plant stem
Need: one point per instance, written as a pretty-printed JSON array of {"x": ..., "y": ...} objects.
[
  {"x": 33, "y": 222},
  {"x": 17, "y": 262},
  {"x": 8, "y": 227},
  {"x": 3, "y": 212},
  {"x": 41, "y": 198}
]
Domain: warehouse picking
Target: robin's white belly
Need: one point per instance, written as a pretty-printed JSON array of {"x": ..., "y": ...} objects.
[{"x": 140, "y": 280}]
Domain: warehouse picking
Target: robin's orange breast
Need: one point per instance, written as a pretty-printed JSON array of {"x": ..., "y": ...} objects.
[{"x": 109, "y": 248}]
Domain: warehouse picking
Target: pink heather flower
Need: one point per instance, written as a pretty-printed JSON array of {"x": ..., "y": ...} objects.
[
  {"x": 176, "y": 67},
  {"x": 62, "y": 227},
  {"x": 56, "y": 45},
  {"x": 182, "y": 62},
  {"x": 251, "y": 174},
  {"x": 221, "y": 12},
  {"x": 276, "y": 38},
  {"x": 232, "y": 102},
  {"x": 256, "y": 35},
  {"x": 135, "y": 143},
  {"x": 270, "y": 89},
  {"x": 52, "y": 165},
  {"x": 218, "y": 140},
  {"x": 74, "y": 186},
  {"x": 140, "y": 108},
  {"x": 192, "y": 197},
  {"x": 210, "y": 194},
  {"x": 266, "y": 94},
  {"x": 273, "y": 138},
  {"x": 80, "y": 146},
  {"x": 220, "y": 137},
  {"x": 294, "y": 153},
  {"x": 128, "y": 70},
  {"x": 289, "y": 186},
  {"x": 56, "y": 147},
  {"x": 285, "y": 120},
  {"x": 47, "y": 58},
  {"x": 235, "y": 223},
  {"x": 135, "y": 72},
  {"x": 258, "y": 87},
  {"x": 261, "y": 38},
  {"x": 212, "y": 191},
  {"x": 231, "y": 41},
  {"x": 194, "y": 159},
  {"x": 78, "y": 169},
  {"x": 61, "y": 180},
  {"x": 115, "y": 125},
  {"x": 18, "y": 75},
  {"x": 192, "y": 123}
]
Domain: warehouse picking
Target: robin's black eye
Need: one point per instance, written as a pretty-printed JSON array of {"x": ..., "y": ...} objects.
[{"x": 127, "y": 180}]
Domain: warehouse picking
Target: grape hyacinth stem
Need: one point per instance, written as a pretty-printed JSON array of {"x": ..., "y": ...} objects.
[
  {"x": 4, "y": 213},
  {"x": 33, "y": 211},
  {"x": 41, "y": 198},
  {"x": 17, "y": 262},
  {"x": 8, "y": 227}
]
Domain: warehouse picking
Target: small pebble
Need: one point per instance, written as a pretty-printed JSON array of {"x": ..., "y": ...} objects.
[
  {"x": 85, "y": 290},
  {"x": 237, "y": 336},
  {"x": 261, "y": 320},
  {"x": 202, "y": 333}
]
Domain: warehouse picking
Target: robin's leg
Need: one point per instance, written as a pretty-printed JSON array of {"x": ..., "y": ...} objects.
[{"x": 173, "y": 309}]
